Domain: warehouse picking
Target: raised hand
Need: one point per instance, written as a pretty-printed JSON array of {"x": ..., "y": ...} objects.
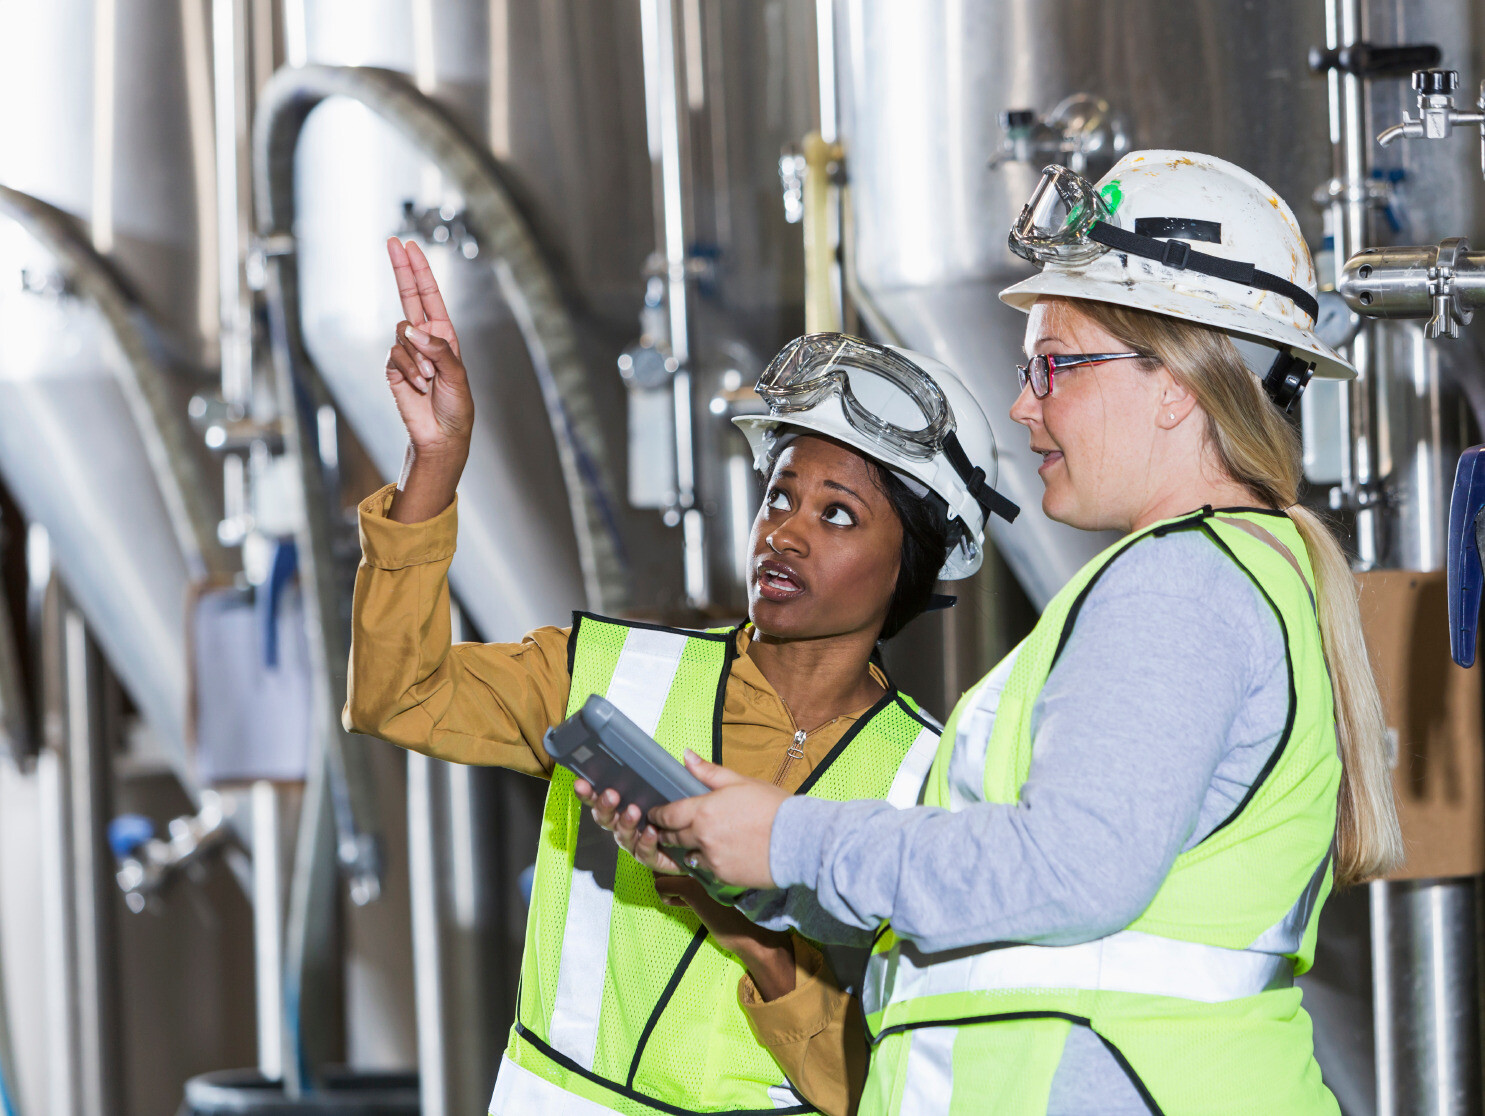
[{"x": 430, "y": 387}]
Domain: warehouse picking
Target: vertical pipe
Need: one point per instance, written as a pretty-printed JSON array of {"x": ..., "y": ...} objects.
[
  {"x": 268, "y": 926},
  {"x": 669, "y": 139},
  {"x": 1425, "y": 972},
  {"x": 230, "y": 39},
  {"x": 1426, "y": 967},
  {"x": 427, "y": 953},
  {"x": 79, "y": 897},
  {"x": 1345, "y": 23}
]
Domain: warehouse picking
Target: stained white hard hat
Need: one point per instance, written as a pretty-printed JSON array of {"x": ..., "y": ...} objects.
[
  {"x": 841, "y": 390},
  {"x": 1196, "y": 213}
]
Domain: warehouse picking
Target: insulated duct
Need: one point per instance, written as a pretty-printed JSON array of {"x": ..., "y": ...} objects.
[{"x": 523, "y": 277}]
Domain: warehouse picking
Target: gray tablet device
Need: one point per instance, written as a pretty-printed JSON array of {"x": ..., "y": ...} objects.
[
  {"x": 601, "y": 745},
  {"x": 598, "y": 743}
]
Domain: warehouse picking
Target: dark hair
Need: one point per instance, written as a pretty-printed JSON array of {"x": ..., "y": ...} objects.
[{"x": 926, "y": 538}]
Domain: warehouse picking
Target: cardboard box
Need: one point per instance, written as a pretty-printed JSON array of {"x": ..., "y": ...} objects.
[{"x": 1433, "y": 710}]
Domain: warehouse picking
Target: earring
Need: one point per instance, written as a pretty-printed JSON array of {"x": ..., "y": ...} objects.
[{"x": 1173, "y": 416}]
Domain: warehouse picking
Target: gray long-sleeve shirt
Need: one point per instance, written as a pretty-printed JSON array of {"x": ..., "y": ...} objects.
[{"x": 1168, "y": 699}]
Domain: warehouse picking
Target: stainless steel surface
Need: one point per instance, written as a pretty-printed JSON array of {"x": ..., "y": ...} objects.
[
  {"x": 670, "y": 152},
  {"x": 1425, "y": 964},
  {"x": 83, "y": 1005},
  {"x": 921, "y": 89},
  {"x": 232, "y": 76},
  {"x": 112, "y": 136},
  {"x": 517, "y": 565},
  {"x": 470, "y": 831},
  {"x": 275, "y": 810},
  {"x": 1394, "y": 282}
]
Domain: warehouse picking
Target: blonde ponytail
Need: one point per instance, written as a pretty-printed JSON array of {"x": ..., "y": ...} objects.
[{"x": 1258, "y": 447}]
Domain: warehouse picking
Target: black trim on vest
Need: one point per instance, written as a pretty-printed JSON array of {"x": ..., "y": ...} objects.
[
  {"x": 918, "y": 715},
  {"x": 849, "y": 735},
  {"x": 1013, "y": 1016},
  {"x": 572, "y": 641},
  {"x": 717, "y": 709},
  {"x": 1077, "y": 605},
  {"x": 633, "y": 1094},
  {"x": 663, "y": 1002},
  {"x": 1198, "y": 522},
  {"x": 696, "y": 633},
  {"x": 1277, "y": 753}
]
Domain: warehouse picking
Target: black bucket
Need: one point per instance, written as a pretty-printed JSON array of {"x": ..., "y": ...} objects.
[{"x": 343, "y": 1093}]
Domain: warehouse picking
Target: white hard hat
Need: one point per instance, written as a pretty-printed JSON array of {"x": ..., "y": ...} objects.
[
  {"x": 1186, "y": 235},
  {"x": 905, "y": 410}
]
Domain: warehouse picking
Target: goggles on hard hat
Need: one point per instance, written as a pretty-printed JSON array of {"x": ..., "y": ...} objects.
[
  {"x": 882, "y": 395},
  {"x": 1066, "y": 221}
]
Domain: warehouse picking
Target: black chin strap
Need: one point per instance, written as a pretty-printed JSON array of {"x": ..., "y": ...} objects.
[
  {"x": 1181, "y": 256},
  {"x": 974, "y": 479}
]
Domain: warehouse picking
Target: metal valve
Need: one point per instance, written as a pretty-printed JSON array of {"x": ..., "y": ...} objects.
[
  {"x": 1437, "y": 116},
  {"x": 1082, "y": 132},
  {"x": 1442, "y": 282}
]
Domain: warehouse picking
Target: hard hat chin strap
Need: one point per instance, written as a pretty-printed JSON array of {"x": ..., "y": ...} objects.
[
  {"x": 974, "y": 480},
  {"x": 1179, "y": 255}
]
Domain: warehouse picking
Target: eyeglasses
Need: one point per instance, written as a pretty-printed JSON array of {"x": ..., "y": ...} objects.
[{"x": 1039, "y": 371}]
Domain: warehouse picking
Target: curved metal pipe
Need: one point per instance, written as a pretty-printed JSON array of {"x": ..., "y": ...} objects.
[
  {"x": 525, "y": 280},
  {"x": 142, "y": 377}
]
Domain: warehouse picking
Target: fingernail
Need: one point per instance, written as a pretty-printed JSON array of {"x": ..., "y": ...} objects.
[
  {"x": 417, "y": 336},
  {"x": 420, "y": 383},
  {"x": 425, "y": 366}
]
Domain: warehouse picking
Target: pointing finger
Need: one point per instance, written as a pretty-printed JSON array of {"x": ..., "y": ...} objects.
[{"x": 407, "y": 283}]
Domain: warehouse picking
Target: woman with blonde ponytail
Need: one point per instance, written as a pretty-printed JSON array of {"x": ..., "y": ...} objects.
[{"x": 1132, "y": 823}]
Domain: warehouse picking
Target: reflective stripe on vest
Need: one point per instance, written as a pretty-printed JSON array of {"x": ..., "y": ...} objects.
[
  {"x": 626, "y": 1003},
  {"x": 640, "y": 685},
  {"x": 908, "y": 782},
  {"x": 1127, "y": 961},
  {"x": 519, "y": 1092},
  {"x": 1216, "y": 943}
]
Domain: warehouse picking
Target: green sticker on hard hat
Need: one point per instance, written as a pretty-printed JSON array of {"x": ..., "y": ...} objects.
[{"x": 1112, "y": 196}]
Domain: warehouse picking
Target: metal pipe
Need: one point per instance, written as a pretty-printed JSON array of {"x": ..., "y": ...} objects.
[
  {"x": 273, "y": 811},
  {"x": 526, "y": 282},
  {"x": 1345, "y": 23},
  {"x": 231, "y": 69},
  {"x": 1425, "y": 969},
  {"x": 94, "y": 901},
  {"x": 79, "y": 904},
  {"x": 669, "y": 140},
  {"x": 142, "y": 376}
]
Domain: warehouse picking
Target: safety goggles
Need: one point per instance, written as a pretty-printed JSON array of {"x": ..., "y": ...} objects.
[
  {"x": 1040, "y": 370},
  {"x": 883, "y": 394},
  {"x": 1056, "y": 222},
  {"x": 1067, "y": 221}
]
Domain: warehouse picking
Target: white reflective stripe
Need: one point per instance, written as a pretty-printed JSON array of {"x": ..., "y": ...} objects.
[
  {"x": 641, "y": 682},
  {"x": 519, "y": 1092},
  {"x": 928, "y": 1075},
  {"x": 1128, "y": 961},
  {"x": 785, "y": 1096},
  {"x": 1288, "y": 934},
  {"x": 644, "y": 674},
  {"x": 908, "y": 781},
  {"x": 972, "y": 736}
]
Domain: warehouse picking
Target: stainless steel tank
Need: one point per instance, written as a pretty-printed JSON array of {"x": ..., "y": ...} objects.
[
  {"x": 921, "y": 89},
  {"x": 112, "y": 135}
]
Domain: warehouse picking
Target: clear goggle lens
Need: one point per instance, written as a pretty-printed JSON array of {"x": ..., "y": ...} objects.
[
  {"x": 1055, "y": 221},
  {"x": 882, "y": 393}
]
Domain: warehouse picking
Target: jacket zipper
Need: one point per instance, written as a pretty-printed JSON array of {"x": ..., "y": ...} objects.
[{"x": 795, "y": 752}]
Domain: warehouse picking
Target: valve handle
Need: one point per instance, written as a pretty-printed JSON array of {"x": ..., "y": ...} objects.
[
  {"x": 1368, "y": 60},
  {"x": 1434, "y": 83},
  {"x": 1466, "y": 577}
]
